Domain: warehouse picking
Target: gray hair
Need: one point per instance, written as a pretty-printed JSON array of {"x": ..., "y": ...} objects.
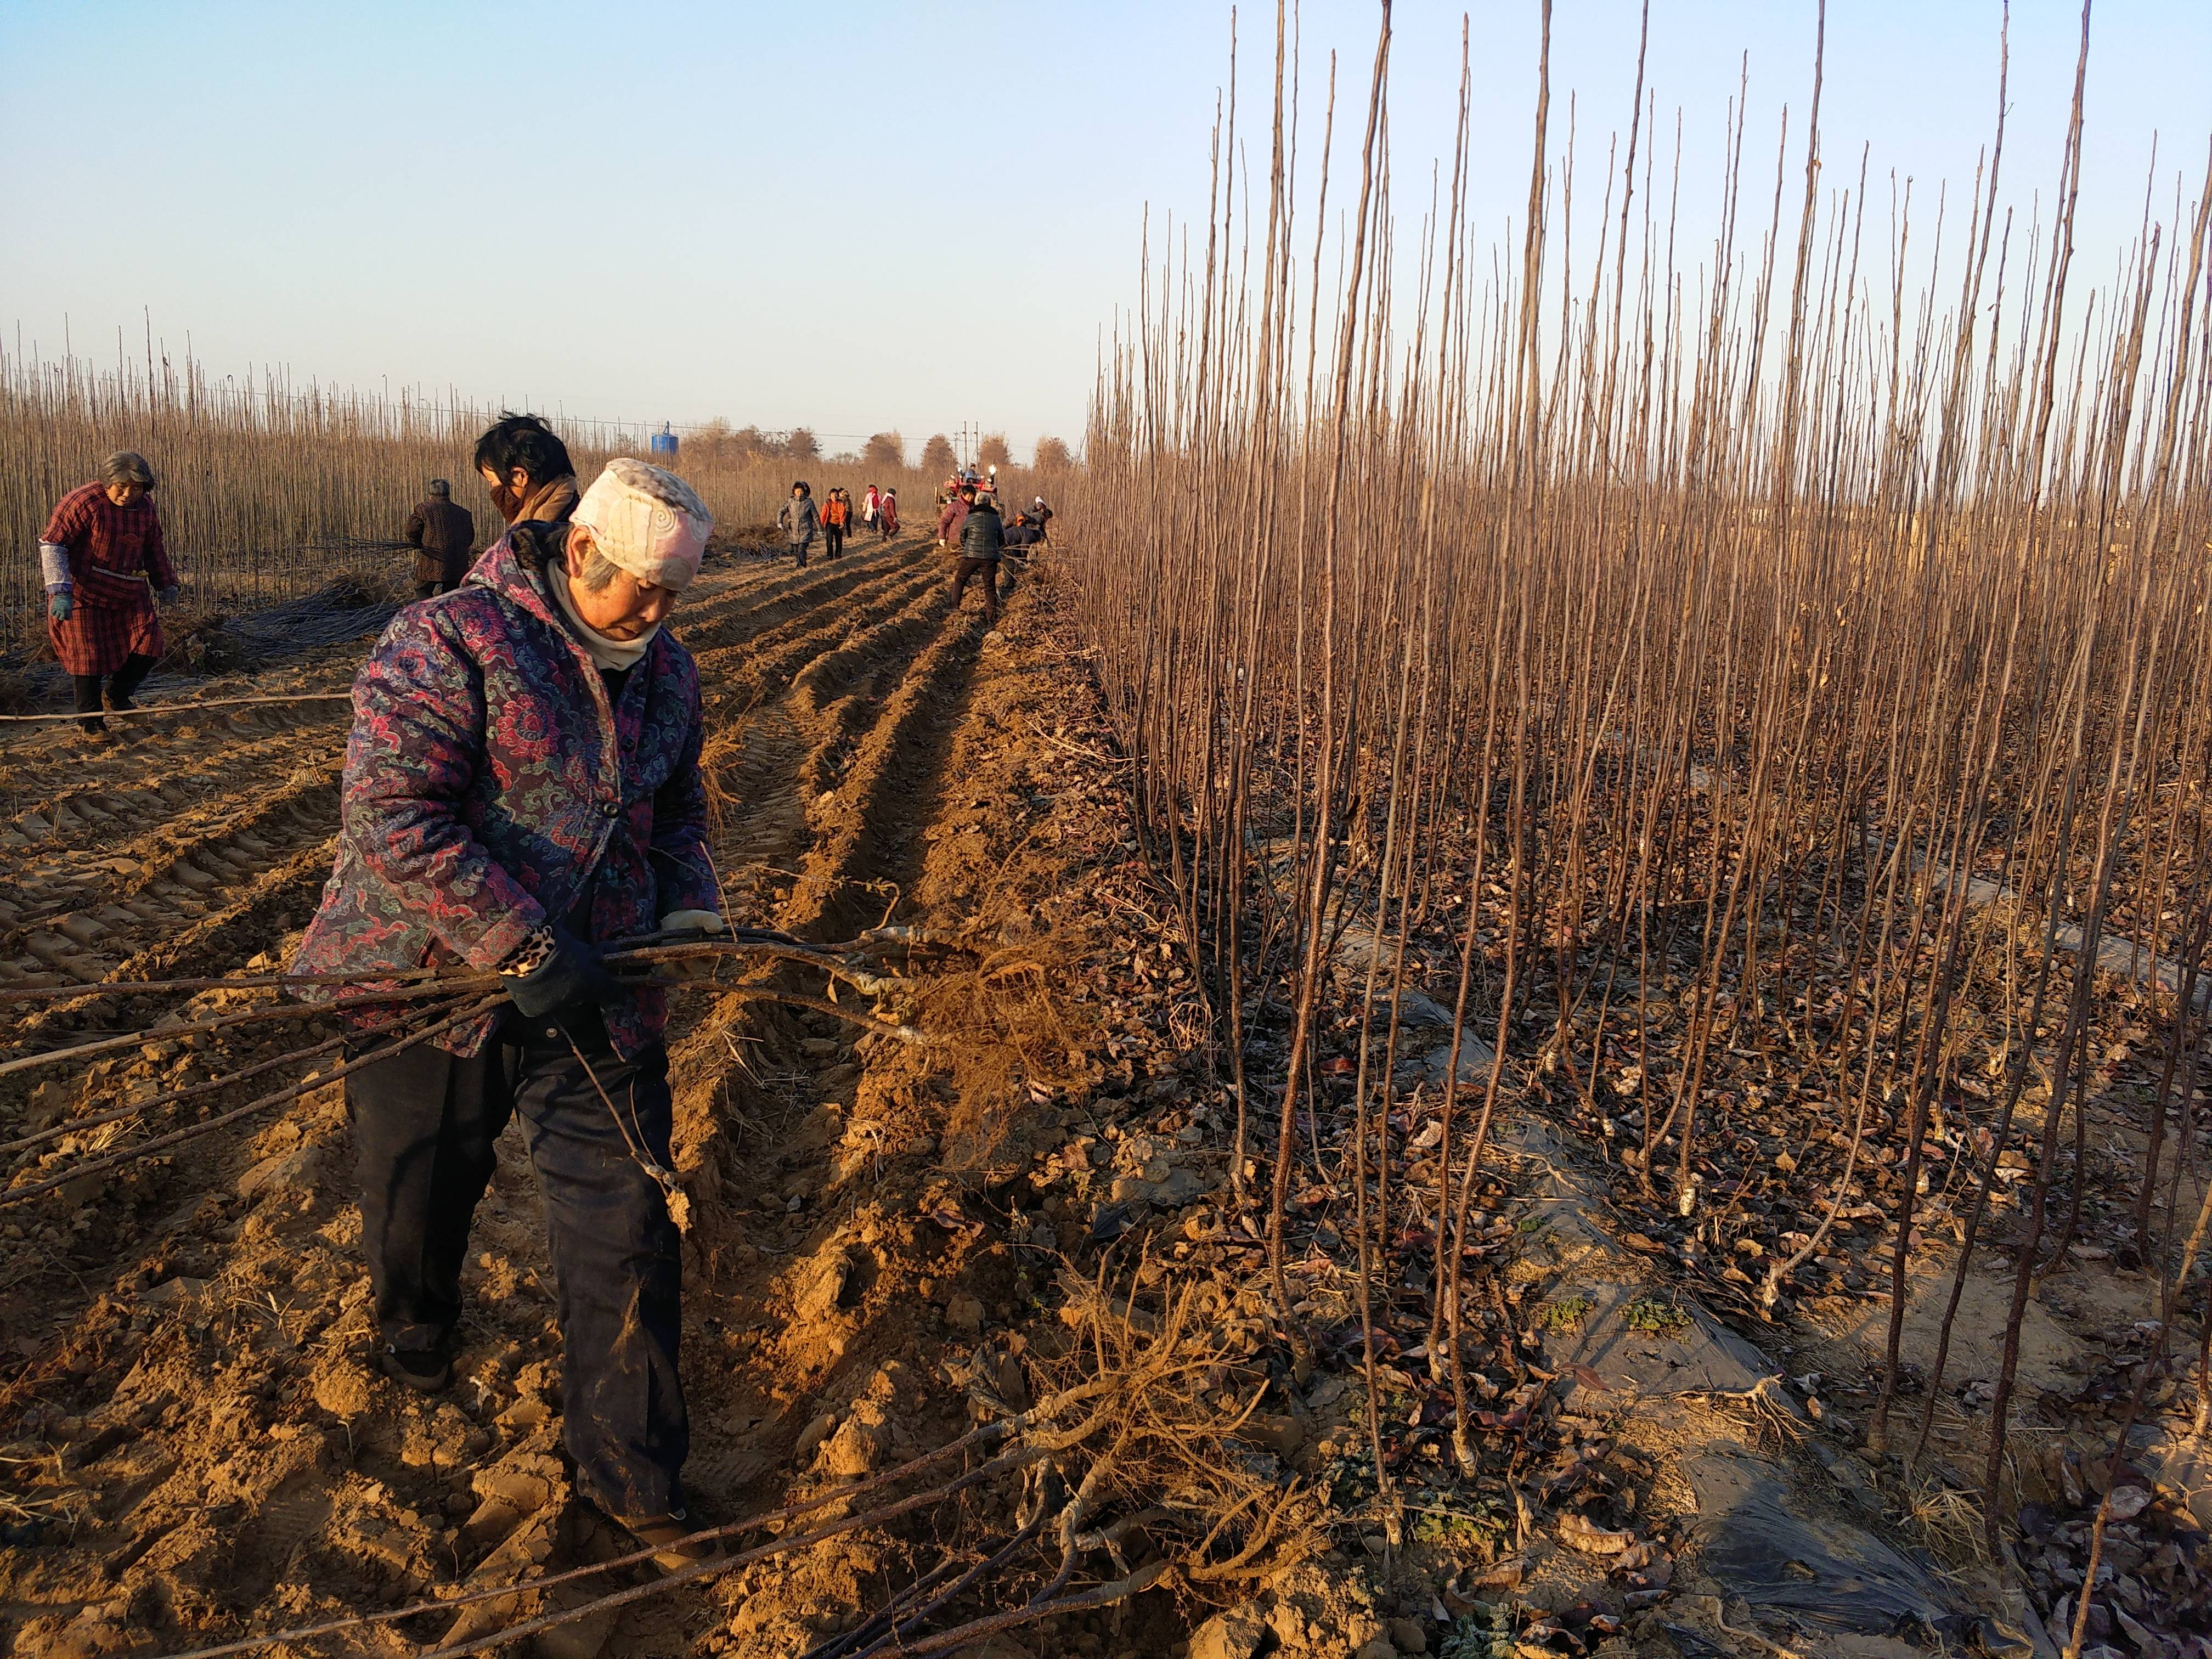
[
  {"x": 440, "y": 487},
  {"x": 127, "y": 466},
  {"x": 598, "y": 570}
]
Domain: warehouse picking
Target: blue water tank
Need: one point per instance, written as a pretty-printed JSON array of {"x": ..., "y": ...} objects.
[{"x": 664, "y": 446}]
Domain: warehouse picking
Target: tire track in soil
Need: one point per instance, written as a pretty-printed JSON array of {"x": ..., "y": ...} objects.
[{"x": 184, "y": 1349}]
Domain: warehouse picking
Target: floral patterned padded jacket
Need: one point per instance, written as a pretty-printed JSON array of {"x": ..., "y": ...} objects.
[{"x": 492, "y": 784}]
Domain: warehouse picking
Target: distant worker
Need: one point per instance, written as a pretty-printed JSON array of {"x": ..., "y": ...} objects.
[
  {"x": 871, "y": 504},
  {"x": 799, "y": 518},
  {"x": 527, "y": 469},
  {"x": 955, "y": 511},
  {"x": 443, "y": 537},
  {"x": 887, "y": 515},
  {"x": 1022, "y": 535},
  {"x": 104, "y": 565},
  {"x": 982, "y": 538},
  {"x": 1040, "y": 515},
  {"x": 835, "y": 512},
  {"x": 522, "y": 789}
]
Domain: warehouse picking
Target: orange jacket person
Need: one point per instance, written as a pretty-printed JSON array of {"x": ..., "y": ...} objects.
[{"x": 103, "y": 562}]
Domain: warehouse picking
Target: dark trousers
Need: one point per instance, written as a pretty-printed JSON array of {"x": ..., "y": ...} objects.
[
  {"x": 85, "y": 689},
  {"x": 799, "y": 552},
  {"x": 424, "y": 1122},
  {"x": 882, "y": 528},
  {"x": 988, "y": 570},
  {"x": 833, "y": 540}
]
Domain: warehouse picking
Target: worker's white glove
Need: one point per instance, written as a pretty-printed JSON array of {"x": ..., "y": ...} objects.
[{"x": 691, "y": 921}]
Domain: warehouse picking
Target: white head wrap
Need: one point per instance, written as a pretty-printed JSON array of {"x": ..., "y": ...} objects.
[{"x": 647, "y": 522}]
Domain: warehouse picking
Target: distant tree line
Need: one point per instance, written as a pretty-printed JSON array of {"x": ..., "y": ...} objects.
[{"x": 718, "y": 441}]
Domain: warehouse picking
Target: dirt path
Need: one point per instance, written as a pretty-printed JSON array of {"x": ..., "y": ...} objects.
[{"x": 193, "y": 1441}]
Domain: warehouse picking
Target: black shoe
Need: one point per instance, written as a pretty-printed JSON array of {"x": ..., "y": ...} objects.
[
  {"x": 669, "y": 1537},
  {"x": 427, "y": 1372}
]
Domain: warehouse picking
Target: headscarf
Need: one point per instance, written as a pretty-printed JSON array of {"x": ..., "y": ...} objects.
[{"x": 647, "y": 521}]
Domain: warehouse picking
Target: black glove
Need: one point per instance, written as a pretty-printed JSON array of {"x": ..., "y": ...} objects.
[{"x": 570, "y": 974}]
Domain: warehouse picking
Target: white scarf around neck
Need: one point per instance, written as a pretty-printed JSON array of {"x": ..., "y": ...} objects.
[{"x": 611, "y": 654}]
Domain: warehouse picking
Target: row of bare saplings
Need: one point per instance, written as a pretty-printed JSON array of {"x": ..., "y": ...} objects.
[
  {"x": 269, "y": 490},
  {"x": 1790, "y": 678}
]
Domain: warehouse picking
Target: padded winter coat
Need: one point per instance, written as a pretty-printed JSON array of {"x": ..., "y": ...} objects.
[
  {"x": 492, "y": 784},
  {"x": 800, "y": 520},
  {"x": 983, "y": 533},
  {"x": 442, "y": 533}
]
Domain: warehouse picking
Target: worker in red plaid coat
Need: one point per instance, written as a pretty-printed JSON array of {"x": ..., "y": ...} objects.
[{"x": 104, "y": 563}]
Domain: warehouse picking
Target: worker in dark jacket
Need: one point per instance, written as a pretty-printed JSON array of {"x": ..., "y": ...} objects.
[
  {"x": 982, "y": 538},
  {"x": 1022, "y": 535},
  {"x": 444, "y": 538}
]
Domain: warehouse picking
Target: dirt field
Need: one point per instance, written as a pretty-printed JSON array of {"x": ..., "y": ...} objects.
[
  {"x": 193, "y": 1433},
  {"x": 195, "y": 1449}
]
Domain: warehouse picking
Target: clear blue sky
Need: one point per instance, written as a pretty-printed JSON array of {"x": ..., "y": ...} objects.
[{"x": 862, "y": 216}]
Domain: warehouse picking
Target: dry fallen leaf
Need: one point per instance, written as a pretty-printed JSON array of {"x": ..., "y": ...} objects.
[
  {"x": 1504, "y": 1575},
  {"x": 1577, "y": 1534},
  {"x": 2129, "y": 1502}
]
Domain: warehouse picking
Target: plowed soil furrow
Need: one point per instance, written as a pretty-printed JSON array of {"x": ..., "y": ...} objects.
[
  {"x": 778, "y": 654},
  {"x": 759, "y": 1140},
  {"x": 872, "y": 821},
  {"x": 754, "y": 768},
  {"x": 101, "y": 908},
  {"x": 773, "y": 598},
  {"x": 101, "y": 815},
  {"x": 53, "y": 763}
]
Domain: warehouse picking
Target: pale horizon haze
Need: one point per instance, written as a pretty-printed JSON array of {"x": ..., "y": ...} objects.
[{"x": 866, "y": 216}]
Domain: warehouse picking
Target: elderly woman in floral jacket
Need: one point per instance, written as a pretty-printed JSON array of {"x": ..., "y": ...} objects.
[{"x": 522, "y": 787}]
